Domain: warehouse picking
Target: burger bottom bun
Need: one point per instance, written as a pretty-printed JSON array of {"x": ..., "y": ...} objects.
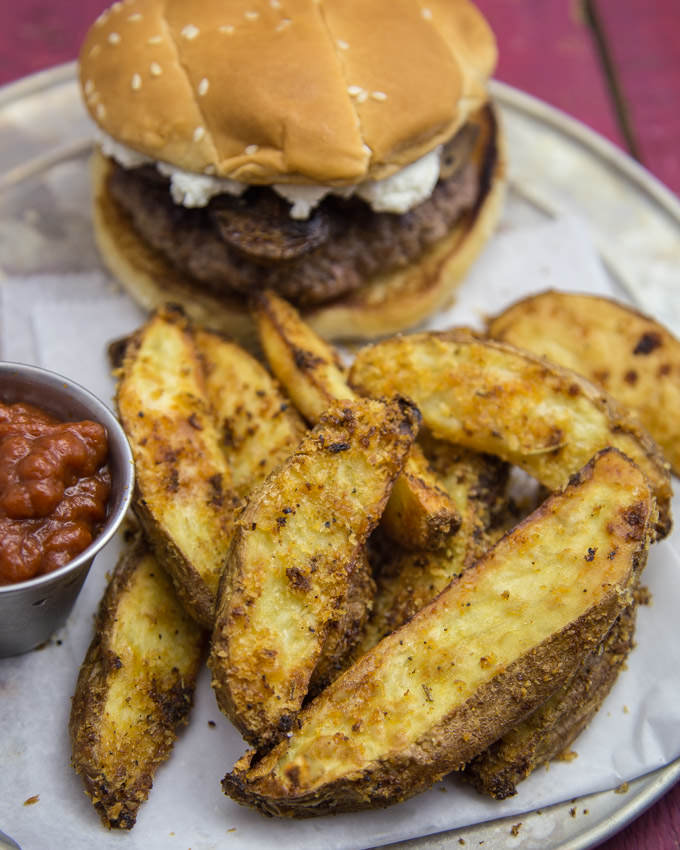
[{"x": 390, "y": 302}]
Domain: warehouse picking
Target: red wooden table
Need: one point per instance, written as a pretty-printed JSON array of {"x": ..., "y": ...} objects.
[{"x": 613, "y": 64}]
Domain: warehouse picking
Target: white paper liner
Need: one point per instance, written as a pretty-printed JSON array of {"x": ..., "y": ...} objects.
[{"x": 65, "y": 323}]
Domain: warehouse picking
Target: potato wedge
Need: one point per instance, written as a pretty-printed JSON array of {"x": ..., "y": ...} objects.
[
  {"x": 630, "y": 355},
  {"x": 495, "y": 398},
  {"x": 258, "y": 425},
  {"x": 183, "y": 494},
  {"x": 407, "y": 581},
  {"x": 495, "y": 644},
  {"x": 419, "y": 513},
  {"x": 290, "y": 567},
  {"x": 135, "y": 686},
  {"x": 546, "y": 733}
]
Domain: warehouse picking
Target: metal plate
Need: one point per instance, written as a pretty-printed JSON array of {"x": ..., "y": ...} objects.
[{"x": 556, "y": 165}]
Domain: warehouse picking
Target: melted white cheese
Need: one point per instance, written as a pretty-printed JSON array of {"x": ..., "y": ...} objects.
[{"x": 396, "y": 194}]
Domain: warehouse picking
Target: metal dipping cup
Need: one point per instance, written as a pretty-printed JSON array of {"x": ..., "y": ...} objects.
[{"x": 31, "y": 611}]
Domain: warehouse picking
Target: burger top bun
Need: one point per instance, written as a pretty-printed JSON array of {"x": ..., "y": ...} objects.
[{"x": 287, "y": 91}]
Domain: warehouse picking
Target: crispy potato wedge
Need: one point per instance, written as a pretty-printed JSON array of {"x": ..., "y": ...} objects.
[
  {"x": 183, "y": 498},
  {"x": 630, "y": 355},
  {"x": 296, "y": 547},
  {"x": 494, "y": 645},
  {"x": 257, "y": 424},
  {"x": 135, "y": 686},
  {"x": 495, "y": 398},
  {"x": 419, "y": 513},
  {"x": 546, "y": 733},
  {"x": 407, "y": 581}
]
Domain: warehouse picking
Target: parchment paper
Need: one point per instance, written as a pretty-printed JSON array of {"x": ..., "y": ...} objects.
[{"x": 64, "y": 323}]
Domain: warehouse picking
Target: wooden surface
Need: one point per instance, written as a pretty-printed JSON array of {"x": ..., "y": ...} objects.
[{"x": 613, "y": 64}]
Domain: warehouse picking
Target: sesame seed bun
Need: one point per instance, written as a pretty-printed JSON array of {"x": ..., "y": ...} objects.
[
  {"x": 390, "y": 302},
  {"x": 219, "y": 88}
]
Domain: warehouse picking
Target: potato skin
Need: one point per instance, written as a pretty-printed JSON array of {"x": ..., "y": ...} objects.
[
  {"x": 345, "y": 632},
  {"x": 366, "y": 742},
  {"x": 294, "y": 554},
  {"x": 581, "y": 331},
  {"x": 135, "y": 686},
  {"x": 495, "y": 398}
]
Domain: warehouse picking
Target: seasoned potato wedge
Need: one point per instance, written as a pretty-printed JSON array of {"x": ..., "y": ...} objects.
[
  {"x": 183, "y": 495},
  {"x": 631, "y": 356},
  {"x": 407, "y": 581},
  {"x": 546, "y": 733},
  {"x": 419, "y": 513},
  {"x": 258, "y": 426},
  {"x": 495, "y": 644},
  {"x": 296, "y": 547},
  {"x": 493, "y": 397},
  {"x": 135, "y": 687}
]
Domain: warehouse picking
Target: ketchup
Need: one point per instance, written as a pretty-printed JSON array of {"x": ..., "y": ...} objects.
[{"x": 54, "y": 490}]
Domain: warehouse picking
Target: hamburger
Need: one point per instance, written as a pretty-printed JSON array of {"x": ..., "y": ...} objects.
[{"x": 343, "y": 153}]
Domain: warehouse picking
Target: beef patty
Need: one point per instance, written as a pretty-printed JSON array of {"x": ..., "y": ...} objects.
[{"x": 251, "y": 243}]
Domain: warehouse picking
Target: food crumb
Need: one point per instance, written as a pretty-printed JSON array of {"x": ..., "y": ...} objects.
[
  {"x": 31, "y": 801},
  {"x": 212, "y": 724},
  {"x": 442, "y": 788},
  {"x": 572, "y": 812},
  {"x": 622, "y": 788},
  {"x": 626, "y": 710},
  {"x": 567, "y": 755},
  {"x": 586, "y": 811},
  {"x": 461, "y": 841},
  {"x": 232, "y": 829},
  {"x": 515, "y": 828}
]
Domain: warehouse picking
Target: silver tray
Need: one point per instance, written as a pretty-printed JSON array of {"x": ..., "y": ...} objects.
[{"x": 557, "y": 165}]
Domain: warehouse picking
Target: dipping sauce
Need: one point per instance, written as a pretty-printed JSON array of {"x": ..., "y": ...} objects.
[{"x": 54, "y": 490}]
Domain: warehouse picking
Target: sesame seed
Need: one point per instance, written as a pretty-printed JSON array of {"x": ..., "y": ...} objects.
[
  {"x": 342, "y": 44},
  {"x": 155, "y": 69},
  {"x": 114, "y": 38},
  {"x": 135, "y": 16},
  {"x": 189, "y": 32},
  {"x": 203, "y": 86},
  {"x": 353, "y": 91},
  {"x": 228, "y": 29},
  {"x": 251, "y": 150},
  {"x": 136, "y": 82},
  {"x": 88, "y": 87},
  {"x": 275, "y": 4},
  {"x": 116, "y": 7},
  {"x": 251, "y": 16},
  {"x": 155, "y": 39},
  {"x": 102, "y": 18},
  {"x": 93, "y": 97},
  {"x": 283, "y": 24},
  {"x": 199, "y": 132},
  {"x": 378, "y": 95},
  {"x": 101, "y": 111},
  {"x": 95, "y": 50},
  {"x": 367, "y": 149},
  {"x": 427, "y": 14},
  {"x": 362, "y": 97}
]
